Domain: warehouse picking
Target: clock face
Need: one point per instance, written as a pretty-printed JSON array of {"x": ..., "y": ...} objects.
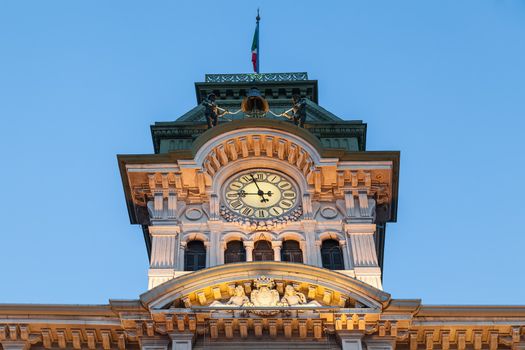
[{"x": 260, "y": 194}]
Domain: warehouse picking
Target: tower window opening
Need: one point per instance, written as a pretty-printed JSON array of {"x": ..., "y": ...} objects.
[
  {"x": 331, "y": 255},
  {"x": 291, "y": 252},
  {"x": 234, "y": 252},
  {"x": 263, "y": 251},
  {"x": 195, "y": 256}
]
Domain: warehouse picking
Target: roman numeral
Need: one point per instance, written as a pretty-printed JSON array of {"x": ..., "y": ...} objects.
[
  {"x": 236, "y": 204},
  {"x": 286, "y": 204},
  {"x": 246, "y": 211}
]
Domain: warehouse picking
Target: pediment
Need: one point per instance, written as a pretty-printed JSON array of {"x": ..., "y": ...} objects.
[{"x": 217, "y": 285}]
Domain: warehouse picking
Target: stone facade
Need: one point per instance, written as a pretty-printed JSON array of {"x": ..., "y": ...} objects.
[{"x": 307, "y": 276}]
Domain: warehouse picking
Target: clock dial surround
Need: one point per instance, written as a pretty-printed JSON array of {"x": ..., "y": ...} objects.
[{"x": 260, "y": 194}]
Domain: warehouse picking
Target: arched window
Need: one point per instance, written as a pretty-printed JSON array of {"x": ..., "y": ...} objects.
[
  {"x": 332, "y": 255},
  {"x": 234, "y": 252},
  {"x": 263, "y": 251},
  {"x": 291, "y": 251},
  {"x": 194, "y": 256}
]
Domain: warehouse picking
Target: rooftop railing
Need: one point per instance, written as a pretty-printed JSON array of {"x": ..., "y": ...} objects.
[{"x": 261, "y": 77}]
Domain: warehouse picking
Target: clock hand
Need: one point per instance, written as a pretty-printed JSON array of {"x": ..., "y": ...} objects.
[
  {"x": 242, "y": 194},
  {"x": 260, "y": 192}
]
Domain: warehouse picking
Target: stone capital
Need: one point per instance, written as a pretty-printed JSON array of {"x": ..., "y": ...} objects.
[
  {"x": 248, "y": 244},
  {"x": 277, "y": 244}
]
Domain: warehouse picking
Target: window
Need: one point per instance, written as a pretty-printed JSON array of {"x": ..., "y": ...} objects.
[
  {"x": 332, "y": 255},
  {"x": 194, "y": 256},
  {"x": 234, "y": 252},
  {"x": 263, "y": 251},
  {"x": 291, "y": 252}
]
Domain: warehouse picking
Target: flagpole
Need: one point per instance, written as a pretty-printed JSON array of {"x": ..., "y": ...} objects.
[{"x": 258, "y": 18}]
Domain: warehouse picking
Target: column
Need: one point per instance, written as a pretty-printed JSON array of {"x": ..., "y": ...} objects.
[
  {"x": 220, "y": 258},
  {"x": 181, "y": 341},
  {"x": 302, "y": 245},
  {"x": 182, "y": 249},
  {"x": 248, "y": 245},
  {"x": 318, "y": 245},
  {"x": 208, "y": 253},
  {"x": 153, "y": 343},
  {"x": 346, "y": 256},
  {"x": 277, "y": 250},
  {"x": 350, "y": 340}
]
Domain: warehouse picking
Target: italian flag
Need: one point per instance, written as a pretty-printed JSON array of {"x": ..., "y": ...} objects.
[{"x": 255, "y": 48}]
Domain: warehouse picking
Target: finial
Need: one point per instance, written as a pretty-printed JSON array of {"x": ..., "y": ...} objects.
[{"x": 258, "y": 18}]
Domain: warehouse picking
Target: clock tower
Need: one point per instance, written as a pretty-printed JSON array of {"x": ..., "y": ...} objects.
[
  {"x": 264, "y": 219},
  {"x": 258, "y": 171}
]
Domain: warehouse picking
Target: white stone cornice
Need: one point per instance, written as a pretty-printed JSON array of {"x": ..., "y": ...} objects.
[
  {"x": 168, "y": 230},
  {"x": 153, "y": 168},
  {"x": 362, "y": 165},
  {"x": 360, "y": 228}
]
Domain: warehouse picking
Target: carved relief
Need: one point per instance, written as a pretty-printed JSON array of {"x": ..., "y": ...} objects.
[{"x": 265, "y": 295}]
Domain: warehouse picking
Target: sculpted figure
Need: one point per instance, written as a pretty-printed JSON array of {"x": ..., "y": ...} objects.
[
  {"x": 212, "y": 111},
  {"x": 238, "y": 299},
  {"x": 298, "y": 112},
  {"x": 292, "y": 297}
]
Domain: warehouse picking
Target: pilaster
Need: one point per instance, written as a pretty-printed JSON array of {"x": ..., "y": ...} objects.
[
  {"x": 164, "y": 253},
  {"x": 309, "y": 234},
  {"x": 181, "y": 341},
  {"x": 15, "y": 345},
  {"x": 154, "y": 343},
  {"x": 350, "y": 340},
  {"x": 363, "y": 253},
  {"x": 163, "y": 246},
  {"x": 216, "y": 228}
]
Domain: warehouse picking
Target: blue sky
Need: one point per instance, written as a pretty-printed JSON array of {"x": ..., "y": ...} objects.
[{"x": 441, "y": 80}]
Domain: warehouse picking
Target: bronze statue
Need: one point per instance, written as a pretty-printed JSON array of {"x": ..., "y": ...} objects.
[
  {"x": 212, "y": 111},
  {"x": 298, "y": 112}
]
